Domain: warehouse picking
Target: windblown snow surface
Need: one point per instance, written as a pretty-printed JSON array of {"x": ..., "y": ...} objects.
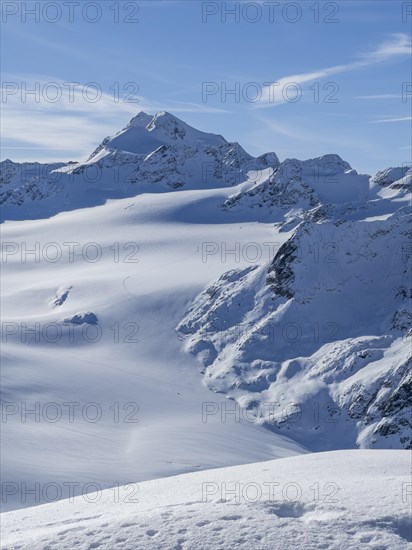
[
  {"x": 177, "y": 316},
  {"x": 341, "y": 499}
]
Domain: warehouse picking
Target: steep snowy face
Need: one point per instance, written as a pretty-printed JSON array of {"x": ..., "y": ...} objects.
[
  {"x": 316, "y": 344},
  {"x": 141, "y": 119},
  {"x": 392, "y": 182},
  {"x": 171, "y": 129}
]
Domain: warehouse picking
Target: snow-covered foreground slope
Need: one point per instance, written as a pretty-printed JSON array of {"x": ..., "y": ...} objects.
[{"x": 336, "y": 500}]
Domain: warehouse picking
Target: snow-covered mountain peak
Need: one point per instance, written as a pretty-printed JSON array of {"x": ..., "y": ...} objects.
[
  {"x": 163, "y": 119},
  {"x": 146, "y": 133},
  {"x": 330, "y": 161},
  {"x": 141, "y": 119}
]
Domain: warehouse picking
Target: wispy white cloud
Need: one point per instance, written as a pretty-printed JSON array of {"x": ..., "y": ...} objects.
[
  {"x": 379, "y": 96},
  {"x": 300, "y": 137},
  {"x": 396, "y": 119},
  {"x": 73, "y": 124},
  {"x": 398, "y": 45}
]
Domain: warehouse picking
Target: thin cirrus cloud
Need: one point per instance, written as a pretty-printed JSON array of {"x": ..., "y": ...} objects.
[
  {"x": 398, "y": 45},
  {"x": 394, "y": 119},
  {"x": 73, "y": 124},
  {"x": 69, "y": 124},
  {"x": 299, "y": 133},
  {"x": 379, "y": 96}
]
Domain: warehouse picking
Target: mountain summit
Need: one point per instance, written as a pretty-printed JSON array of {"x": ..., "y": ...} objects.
[{"x": 145, "y": 133}]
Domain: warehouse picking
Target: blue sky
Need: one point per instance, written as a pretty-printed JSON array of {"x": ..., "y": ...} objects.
[{"x": 309, "y": 77}]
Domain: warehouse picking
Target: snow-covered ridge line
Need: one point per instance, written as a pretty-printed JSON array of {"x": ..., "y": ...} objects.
[
  {"x": 151, "y": 154},
  {"x": 162, "y": 153}
]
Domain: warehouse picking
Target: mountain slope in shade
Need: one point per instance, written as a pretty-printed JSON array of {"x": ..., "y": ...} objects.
[{"x": 15, "y": 176}]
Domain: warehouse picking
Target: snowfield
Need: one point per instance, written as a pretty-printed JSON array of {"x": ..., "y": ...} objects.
[
  {"x": 132, "y": 356},
  {"x": 181, "y": 320},
  {"x": 341, "y": 500}
]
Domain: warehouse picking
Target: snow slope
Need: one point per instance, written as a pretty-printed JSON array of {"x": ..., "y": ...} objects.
[
  {"x": 141, "y": 362},
  {"x": 338, "y": 500}
]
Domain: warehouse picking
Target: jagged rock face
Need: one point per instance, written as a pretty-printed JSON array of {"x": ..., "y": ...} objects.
[
  {"x": 275, "y": 196},
  {"x": 28, "y": 181},
  {"x": 281, "y": 274},
  {"x": 315, "y": 330},
  {"x": 81, "y": 318},
  {"x": 13, "y": 174},
  {"x": 178, "y": 165},
  {"x": 268, "y": 160}
]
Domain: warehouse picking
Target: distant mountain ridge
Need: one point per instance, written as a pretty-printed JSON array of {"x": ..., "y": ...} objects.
[{"x": 158, "y": 153}]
